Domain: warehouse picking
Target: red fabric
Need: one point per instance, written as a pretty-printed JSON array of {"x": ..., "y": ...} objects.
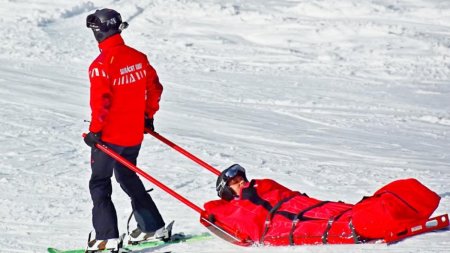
[
  {"x": 394, "y": 208},
  {"x": 246, "y": 215},
  {"x": 124, "y": 86}
]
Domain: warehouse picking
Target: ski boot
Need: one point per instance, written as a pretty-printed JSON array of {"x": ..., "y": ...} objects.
[
  {"x": 112, "y": 245},
  {"x": 162, "y": 234}
]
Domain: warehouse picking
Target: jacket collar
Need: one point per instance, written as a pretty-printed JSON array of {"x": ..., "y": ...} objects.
[{"x": 113, "y": 41}]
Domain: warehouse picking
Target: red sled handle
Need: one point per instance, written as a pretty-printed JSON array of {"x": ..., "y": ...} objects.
[
  {"x": 134, "y": 168},
  {"x": 183, "y": 151},
  {"x": 432, "y": 224}
]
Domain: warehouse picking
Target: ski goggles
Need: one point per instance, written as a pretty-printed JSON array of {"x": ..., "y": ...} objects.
[
  {"x": 94, "y": 22},
  {"x": 233, "y": 171}
]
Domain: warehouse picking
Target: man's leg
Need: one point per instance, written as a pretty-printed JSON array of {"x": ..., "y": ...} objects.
[
  {"x": 145, "y": 211},
  {"x": 104, "y": 217}
]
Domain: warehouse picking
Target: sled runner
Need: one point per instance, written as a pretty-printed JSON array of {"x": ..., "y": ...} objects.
[
  {"x": 432, "y": 224},
  {"x": 220, "y": 230},
  {"x": 235, "y": 236}
]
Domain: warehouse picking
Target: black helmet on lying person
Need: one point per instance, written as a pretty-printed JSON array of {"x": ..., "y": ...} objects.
[
  {"x": 224, "y": 191},
  {"x": 105, "y": 23}
]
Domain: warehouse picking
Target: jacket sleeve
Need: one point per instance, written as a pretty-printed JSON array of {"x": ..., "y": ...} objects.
[
  {"x": 100, "y": 97},
  {"x": 153, "y": 91}
]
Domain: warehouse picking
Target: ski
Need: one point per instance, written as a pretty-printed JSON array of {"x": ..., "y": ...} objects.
[
  {"x": 432, "y": 224},
  {"x": 176, "y": 238}
]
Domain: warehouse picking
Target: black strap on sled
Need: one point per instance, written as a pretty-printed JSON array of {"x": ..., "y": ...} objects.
[
  {"x": 270, "y": 215},
  {"x": 327, "y": 229},
  {"x": 330, "y": 223},
  {"x": 354, "y": 234},
  {"x": 300, "y": 217},
  {"x": 251, "y": 195}
]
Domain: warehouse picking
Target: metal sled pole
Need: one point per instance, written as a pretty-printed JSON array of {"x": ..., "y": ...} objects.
[
  {"x": 132, "y": 167},
  {"x": 183, "y": 151}
]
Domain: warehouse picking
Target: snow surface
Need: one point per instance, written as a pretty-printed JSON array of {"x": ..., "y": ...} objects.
[{"x": 334, "y": 98}]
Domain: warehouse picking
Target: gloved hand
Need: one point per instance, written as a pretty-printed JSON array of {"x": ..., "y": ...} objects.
[
  {"x": 148, "y": 123},
  {"x": 250, "y": 193},
  {"x": 92, "y": 138}
]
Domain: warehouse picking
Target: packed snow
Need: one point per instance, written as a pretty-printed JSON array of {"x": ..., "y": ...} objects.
[{"x": 334, "y": 98}]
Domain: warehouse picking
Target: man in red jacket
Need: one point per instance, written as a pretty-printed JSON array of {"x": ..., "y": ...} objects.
[
  {"x": 124, "y": 96},
  {"x": 264, "y": 211}
]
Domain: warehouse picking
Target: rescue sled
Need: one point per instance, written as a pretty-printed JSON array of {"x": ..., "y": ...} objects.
[{"x": 224, "y": 232}]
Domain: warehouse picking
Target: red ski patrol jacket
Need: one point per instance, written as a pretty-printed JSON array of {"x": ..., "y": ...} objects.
[
  {"x": 271, "y": 214},
  {"x": 124, "y": 87}
]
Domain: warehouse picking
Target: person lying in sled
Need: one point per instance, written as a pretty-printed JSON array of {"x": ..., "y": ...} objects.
[{"x": 266, "y": 212}]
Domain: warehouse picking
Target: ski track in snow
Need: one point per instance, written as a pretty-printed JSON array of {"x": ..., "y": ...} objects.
[{"x": 334, "y": 98}]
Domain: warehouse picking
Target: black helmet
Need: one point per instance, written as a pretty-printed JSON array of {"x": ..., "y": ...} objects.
[
  {"x": 105, "y": 23},
  {"x": 223, "y": 190}
]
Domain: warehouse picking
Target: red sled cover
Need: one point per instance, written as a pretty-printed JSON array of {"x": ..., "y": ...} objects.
[
  {"x": 274, "y": 215},
  {"x": 394, "y": 208}
]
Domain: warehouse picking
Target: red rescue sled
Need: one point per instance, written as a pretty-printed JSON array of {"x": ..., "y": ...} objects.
[{"x": 236, "y": 237}]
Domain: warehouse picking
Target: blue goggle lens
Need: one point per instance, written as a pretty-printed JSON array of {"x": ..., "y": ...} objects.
[{"x": 234, "y": 171}]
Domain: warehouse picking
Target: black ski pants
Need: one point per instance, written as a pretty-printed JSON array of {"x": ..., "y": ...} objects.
[{"x": 104, "y": 217}]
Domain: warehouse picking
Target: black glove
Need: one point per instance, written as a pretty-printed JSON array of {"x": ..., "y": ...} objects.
[
  {"x": 92, "y": 138},
  {"x": 148, "y": 123}
]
